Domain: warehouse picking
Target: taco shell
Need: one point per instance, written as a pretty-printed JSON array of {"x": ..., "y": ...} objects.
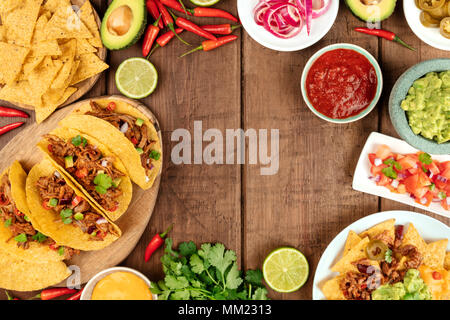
[
  {"x": 49, "y": 221},
  {"x": 109, "y": 135},
  {"x": 36, "y": 252},
  {"x": 125, "y": 185},
  {"x": 20, "y": 275}
]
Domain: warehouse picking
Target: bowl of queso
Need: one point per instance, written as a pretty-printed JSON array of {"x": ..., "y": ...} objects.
[
  {"x": 419, "y": 106},
  {"x": 118, "y": 283},
  {"x": 341, "y": 83}
]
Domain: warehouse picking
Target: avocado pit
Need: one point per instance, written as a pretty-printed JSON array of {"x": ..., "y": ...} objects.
[{"x": 120, "y": 21}]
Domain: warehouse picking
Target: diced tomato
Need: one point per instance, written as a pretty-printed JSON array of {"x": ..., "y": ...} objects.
[
  {"x": 413, "y": 171},
  {"x": 76, "y": 201},
  {"x": 411, "y": 183},
  {"x": 423, "y": 179},
  {"x": 384, "y": 181},
  {"x": 372, "y": 157},
  {"x": 111, "y": 106},
  {"x": 50, "y": 148},
  {"x": 446, "y": 173},
  {"x": 428, "y": 196},
  {"x": 407, "y": 163},
  {"x": 401, "y": 188},
  {"x": 82, "y": 173},
  {"x": 53, "y": 246},
  {"x": 444, "y": 165},
  {"x": 444, "y": 204},
  {"x": 45, "y": 205},
  {"x": 18, "y": 213},
  {"x": 114, "y": 208},
  {"x": 134, "y": 141},
  {"x": 383, "y": 152},
  {"x": 433, "y": 168}
]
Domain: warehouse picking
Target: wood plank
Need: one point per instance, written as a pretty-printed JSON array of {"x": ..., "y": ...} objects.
[
  {"x": 310, "y": 200},
  {"x": 396, "y": 60}
]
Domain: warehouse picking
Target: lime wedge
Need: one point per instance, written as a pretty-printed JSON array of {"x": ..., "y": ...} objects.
[
  {"x": 204, "y": 3},
  {"x": 285, "y": 270},
  {"x": 136, "y": 78}
]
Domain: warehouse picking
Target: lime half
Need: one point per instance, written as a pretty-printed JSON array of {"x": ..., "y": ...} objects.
[
  {"x": 136, "y": 78},
  {"x": 204, "y": 3},
  {"x": 285, "y": 270}
]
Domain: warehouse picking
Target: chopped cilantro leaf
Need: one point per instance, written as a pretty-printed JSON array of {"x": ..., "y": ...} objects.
[
  {"x": 61, "y": 251},
  {"x": 103, "y": 182},
  {"x": 39, "y": 237},
  {"x": 425, "y": 158},
  {"x": 155, "y": 155},
  {"x": 390, "y": 172},
  {"x": 388, "y": 256},
  {"x": 8, "y": 222},
  {"x": 21, "y": 238}
]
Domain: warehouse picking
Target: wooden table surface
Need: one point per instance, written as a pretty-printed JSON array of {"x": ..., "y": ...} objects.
[{"x": 244, "y": 85}]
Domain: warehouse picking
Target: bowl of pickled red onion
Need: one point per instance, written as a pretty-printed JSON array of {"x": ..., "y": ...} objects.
[{"x": 287, "y": 25}]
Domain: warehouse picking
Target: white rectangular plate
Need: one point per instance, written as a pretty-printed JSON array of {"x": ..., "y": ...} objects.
[{"x": 361, "y": 181}]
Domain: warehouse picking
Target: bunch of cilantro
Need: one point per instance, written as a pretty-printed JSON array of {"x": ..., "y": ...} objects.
[{"x": 210, "y": 273}]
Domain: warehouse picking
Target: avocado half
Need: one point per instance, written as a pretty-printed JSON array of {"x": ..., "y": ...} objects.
[
  {"x": 137, "y": 11},
  {"x": 372, "y": 10}
]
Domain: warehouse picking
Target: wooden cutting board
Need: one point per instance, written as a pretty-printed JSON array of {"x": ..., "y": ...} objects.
[
  {"x": 132, "y": 223},
  {"x": 86, "y": 85}
]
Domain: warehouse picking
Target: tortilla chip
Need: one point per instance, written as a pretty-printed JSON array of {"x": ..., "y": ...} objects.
[
  {"x": 64, "y": 24},
  {"x": 20, "y": 22},
  {"x": 9, "y": 5},
  {"x": 447, "y": 261},
  {"x": 19, "y": 275},
  {"x": 352, "y": 240},
  {"x": 42, "y": 77},
  {"x": 90, "y": 65},
  {"x": 413, "y": 237},
  {"x": 331, "y": 289},
  {"x": 125, "y": 186},
  {"x": 50, "y": 221},
  {"x": 40, "y": 46},
  {"x": 12, "y": 58},
  {"x": 20, "y": 92},
  {"x": 358, "y": 252},
  {"x": 86, "y": 14},
  {"x": 388, "y": 225},
  {"x": 2, "y": 34},
  {"x": 53, "y": 5},
  {"x": 67, "y": 58},
  {"x": 84, "y": 47},
  {"x": 435, "y": 254},
  {"x": 51, "y": 100}
]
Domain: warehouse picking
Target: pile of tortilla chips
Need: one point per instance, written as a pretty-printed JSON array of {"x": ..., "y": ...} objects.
[
  {"x": 46, "y": 49},
  {"x": 435, "y": 258}
]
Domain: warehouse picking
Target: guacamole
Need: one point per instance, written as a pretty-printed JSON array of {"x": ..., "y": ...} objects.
[
  {"x": 427, "y": 106},
  {"x": 412, "y": 288}
]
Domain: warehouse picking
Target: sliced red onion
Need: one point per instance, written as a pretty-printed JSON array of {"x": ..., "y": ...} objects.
[
  {"x": 436, "y": 200},
  {"x": 57, "y": 174},
  {"x": 423, "y": 200},
  {"x": 377, "y": 178},
  {"x": 377, "y": 162},
  {"x": 101, "y": 221},
  {"x": 395, "y": 183},
  {"x": 124, "y": 128},
  {"x": 277, "y": 26},
  {"x": 319, "y": 11},
  {"x": 441, "y": 178},
  {"x": 104, "y": 163},
  {"x": 448, "y": 200},
  {"x": 430, "y": 174},
  {"x": 401, "y": 176},
  {"x": 147, "y": 179},
  {"x": 308, "y": 15}
]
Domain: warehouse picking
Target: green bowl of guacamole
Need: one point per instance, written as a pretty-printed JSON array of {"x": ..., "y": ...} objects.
[{"x": 419, "y": 106}]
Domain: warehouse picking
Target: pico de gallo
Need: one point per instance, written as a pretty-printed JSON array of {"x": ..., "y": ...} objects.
[{"x": 424, "y": 179}]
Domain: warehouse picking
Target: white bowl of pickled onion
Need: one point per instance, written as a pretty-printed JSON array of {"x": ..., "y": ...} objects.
[{"x": 319, "y": 25}]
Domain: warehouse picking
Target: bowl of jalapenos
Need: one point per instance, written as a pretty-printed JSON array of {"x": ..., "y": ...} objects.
[{"x": 430, "y": 21}]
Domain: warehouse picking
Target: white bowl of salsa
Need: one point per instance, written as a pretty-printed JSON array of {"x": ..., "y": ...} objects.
[{"x": 342, "y": 83}]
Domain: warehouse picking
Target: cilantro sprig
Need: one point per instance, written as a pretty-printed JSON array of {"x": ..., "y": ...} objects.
[
  {"x": 102, "y": 183},
  {"x": 208, "y": 273}
]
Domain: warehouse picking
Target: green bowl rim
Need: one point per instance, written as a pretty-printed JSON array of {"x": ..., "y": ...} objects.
[
  {"x": 416, "y": 140},
  {"x": 372, "y": 61}
]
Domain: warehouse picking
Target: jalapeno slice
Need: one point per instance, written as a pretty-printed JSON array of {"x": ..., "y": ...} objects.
[
  {"x": 445, "y": 27},
  {"x": 431, "y": 4},
  {"x": 376, "y": 250},
  {"x": 428, "y": 21}
]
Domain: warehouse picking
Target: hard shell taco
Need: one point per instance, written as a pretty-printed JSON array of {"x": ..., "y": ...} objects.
[
  {"x": 64, "y": 212},
  {"x": 19, "y": 237},
  {"x": 92, "y": 167},
  {"x": 131, "y": 135}
]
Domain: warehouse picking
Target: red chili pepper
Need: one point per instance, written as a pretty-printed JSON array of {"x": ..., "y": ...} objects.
[
  {"x": 211, "y": 44},
  {"x": 199, "y": 12},
  {"x": 162, "y": 41},
  {"x": 155, "y": 243},
  {"x": 10, "y": 297},
  {"x": 150, "y": 37},
  {"x": 10, "y": 112},
  {"x": 53, "y": 293},
  {"x": 76, "y": 296},
  {"x": 384, "y": 34},
  {"x": 192, "y": 27},
  {"x": 10, "y": 127},
  {"x": 152, "y": 8},
  {"x": 168, "y": 20},
  {"x": 222, "y": 29},
  {"x": 111, "y": 106}
]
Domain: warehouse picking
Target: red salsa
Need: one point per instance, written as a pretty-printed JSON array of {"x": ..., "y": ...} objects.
[{"x": 341, "y": 83}]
